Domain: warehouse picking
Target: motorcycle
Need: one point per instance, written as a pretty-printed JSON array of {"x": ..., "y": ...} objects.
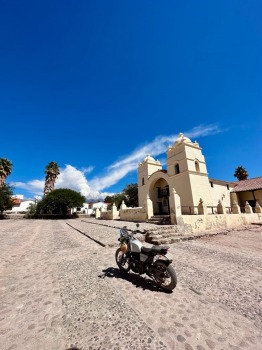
[{"x": 154, "y": 262}]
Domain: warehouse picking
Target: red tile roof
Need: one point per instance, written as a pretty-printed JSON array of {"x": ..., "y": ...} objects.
[
  {"x": 16, "y": 200},
  {"x": 248, "y": 185}
]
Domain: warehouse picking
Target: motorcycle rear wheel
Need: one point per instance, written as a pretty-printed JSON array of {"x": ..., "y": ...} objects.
[
  {"x": 123, "y": 261},
  {"x": 164, "y": 275}
]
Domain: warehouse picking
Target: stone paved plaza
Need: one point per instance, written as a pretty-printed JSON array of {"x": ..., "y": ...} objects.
[{"x": 53, "y": 295}]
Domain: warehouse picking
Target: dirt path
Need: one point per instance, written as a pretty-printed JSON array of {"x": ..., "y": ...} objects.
[{"x": 51, "y": 295}]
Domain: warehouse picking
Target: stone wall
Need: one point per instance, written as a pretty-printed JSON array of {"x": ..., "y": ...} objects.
[
  {"x": 198, "y": 223},
  {"x": 137, "y": 214},
  {"x": 109, "y": 214}
]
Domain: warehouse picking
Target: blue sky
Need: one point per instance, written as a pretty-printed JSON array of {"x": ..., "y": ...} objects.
[{"x": 96, "y": 85}]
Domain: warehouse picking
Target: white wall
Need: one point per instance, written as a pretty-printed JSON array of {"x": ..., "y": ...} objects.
[
  {"x": 219, "y": 191},
  {"x": 200, "y": 223},
  {"x": 22, "y": 207},
  {"x": 133, "y": 214},
  {"x": 90, "y": 208}
]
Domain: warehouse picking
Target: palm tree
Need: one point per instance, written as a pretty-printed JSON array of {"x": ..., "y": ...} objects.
[
  {"x": 241, "y": 173},
  {"x": 5, "y": 170},
  {"x": 52, "y": 171}
]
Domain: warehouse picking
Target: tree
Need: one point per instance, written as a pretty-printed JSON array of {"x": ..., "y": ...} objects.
[
  {"x": 131, "y": 195},
  {"x": 5, "y": 170},
  {"x": 115, "y": 198},
  {"x": 60, "y": 201},
  {"x": 52, "y": 171},
  {"x": 31, "y": 209},
  {"x": 241, "y": 173},
  {"x": 6, "y": 201}
]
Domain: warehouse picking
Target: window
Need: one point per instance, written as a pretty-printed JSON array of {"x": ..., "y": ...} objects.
[
  {"x": 197, "y": 166},
  {"x": 177, "y": 170},
  {"x": 143, "y": 181}
]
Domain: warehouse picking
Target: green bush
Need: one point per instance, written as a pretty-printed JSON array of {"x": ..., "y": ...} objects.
[
  {"x": 4, "y": 216},
  {"x": 60, "y": 202}
]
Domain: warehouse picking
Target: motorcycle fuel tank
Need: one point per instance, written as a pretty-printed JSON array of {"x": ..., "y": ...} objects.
[{"x": 136, "y": 245}]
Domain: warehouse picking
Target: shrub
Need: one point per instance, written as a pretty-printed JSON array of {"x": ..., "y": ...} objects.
[{"x": 60, "y": 202}]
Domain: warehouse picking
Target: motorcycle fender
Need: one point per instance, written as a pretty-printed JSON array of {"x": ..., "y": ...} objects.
[{"x": 166, "y": 259}]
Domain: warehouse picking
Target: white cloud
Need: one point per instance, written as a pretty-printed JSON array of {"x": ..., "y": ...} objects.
[
  {"x": 34, "y": 186},
  {"x": 75, "y": 179},
  {"x": 87, "y": 170},
  {"x": 69, "y": 177},
  {"x": 112, "y": 177},
  {"x": 158, "y": 146},
  {"x": 160, "y": 143}
]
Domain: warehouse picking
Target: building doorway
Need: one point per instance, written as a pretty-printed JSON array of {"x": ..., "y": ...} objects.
[
  {"x": 160, "y": 208},
  {"x": 159, "y": 194}
]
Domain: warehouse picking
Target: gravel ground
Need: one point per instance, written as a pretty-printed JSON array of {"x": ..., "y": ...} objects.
[{"x": 53, "y": 296}]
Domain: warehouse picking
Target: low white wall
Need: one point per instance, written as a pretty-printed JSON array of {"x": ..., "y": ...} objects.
[
  {"x": 198, "y": 223},
  {"x": 106, "y": 215},
  {"x": 110, "y": 215},
  {"x": 137, "y": 214}
]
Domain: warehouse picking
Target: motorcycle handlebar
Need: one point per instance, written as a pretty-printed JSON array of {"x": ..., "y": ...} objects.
[
  {"x": 137, "y": 231},
  {"x": 125, "y": 230}
]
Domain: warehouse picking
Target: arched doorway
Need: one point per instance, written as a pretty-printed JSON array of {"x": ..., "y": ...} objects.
[{"x": 159, "y": 194}]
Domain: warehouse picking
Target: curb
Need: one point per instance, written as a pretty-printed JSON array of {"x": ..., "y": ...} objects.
[{"x": 85, "y": 234}]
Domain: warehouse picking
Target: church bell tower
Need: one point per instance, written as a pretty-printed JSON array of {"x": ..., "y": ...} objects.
[{"x": 187, "y": 170}]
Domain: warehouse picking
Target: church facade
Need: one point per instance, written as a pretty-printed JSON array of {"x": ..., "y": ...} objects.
[
  {"x": 183, "y": 188},
  {"x": 185, "y": 176}
]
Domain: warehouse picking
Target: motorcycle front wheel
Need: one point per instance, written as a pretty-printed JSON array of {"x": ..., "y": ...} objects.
[
  {"x": 164, "y": 275},
  {"x": 123, "y": 260}
]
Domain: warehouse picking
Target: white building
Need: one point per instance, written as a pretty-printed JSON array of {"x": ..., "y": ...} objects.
[
  {"x": 90, "y": 208},
  {"x": 20, "y": 205}
]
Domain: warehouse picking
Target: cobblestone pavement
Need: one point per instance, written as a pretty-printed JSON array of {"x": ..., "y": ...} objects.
[{"x": 53, "y": 296}]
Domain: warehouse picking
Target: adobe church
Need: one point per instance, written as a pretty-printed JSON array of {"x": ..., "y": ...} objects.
[
  {"x": 172, "y": 195},
  {"x": 185, "y": 179}
]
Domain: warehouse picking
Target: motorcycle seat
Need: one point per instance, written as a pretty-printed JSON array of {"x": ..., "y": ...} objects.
[{"x": 154, "y": 250}]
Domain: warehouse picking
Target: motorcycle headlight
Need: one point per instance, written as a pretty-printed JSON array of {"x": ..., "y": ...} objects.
[{"x": 123, "y": 247}]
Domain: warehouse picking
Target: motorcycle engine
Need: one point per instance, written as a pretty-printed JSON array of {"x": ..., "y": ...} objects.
[{"x": 137, "y": 265}]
